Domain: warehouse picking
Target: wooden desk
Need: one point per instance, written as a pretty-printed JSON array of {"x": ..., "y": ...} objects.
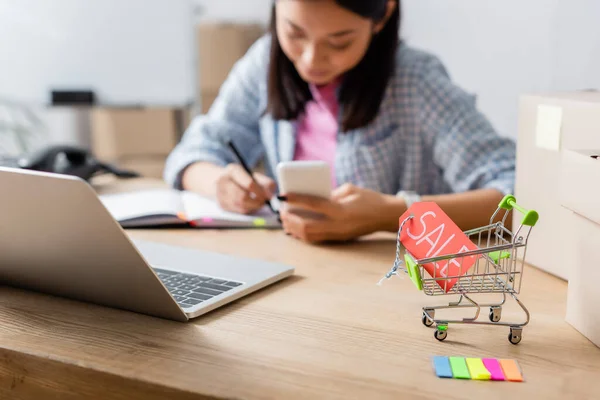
[{"x": 327, "y": 332}]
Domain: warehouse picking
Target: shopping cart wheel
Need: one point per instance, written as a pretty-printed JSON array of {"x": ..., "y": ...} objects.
[
  {"x": 495, "y": 313},
  {"x": 440, "y": 334},
  {"x": 515, "y": 335},
  {"x": 425, "y": 319}
]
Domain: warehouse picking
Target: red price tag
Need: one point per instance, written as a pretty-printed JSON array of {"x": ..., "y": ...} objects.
[{"x": 431, "y": 233}]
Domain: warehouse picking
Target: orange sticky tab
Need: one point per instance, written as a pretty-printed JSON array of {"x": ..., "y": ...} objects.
[
  {"x": 511, "y": 370},
  {"x": 181, "y": 216},
  {"x": 431, "y": 233}
]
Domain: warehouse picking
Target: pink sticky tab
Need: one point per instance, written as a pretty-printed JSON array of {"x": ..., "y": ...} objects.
[
  {"x": 492, "y": 365},
  {"x": 431, "y": 233},
  {"x": 207, "y": 220}
]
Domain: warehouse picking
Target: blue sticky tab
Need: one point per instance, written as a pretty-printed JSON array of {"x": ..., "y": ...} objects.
[{"x": 442, "y": 367}]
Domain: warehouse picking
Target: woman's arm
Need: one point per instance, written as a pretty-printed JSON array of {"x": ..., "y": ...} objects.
[
  {"x": 468, "y": 210},
  {"x": 352, "y": 212},
  {"x": 201, "y": 177},
  {"x": 231, "y": 186},
  {"x": 200, "y": 157}
]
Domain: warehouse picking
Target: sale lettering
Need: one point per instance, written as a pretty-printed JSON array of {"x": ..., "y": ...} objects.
[{"x": 431, "y": 233}]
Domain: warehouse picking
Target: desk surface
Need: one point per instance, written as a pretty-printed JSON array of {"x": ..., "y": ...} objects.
[{"x": 327, "y": 332}]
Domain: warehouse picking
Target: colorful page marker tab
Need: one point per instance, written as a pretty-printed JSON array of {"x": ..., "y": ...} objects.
[
  {"x": 459, "y": 368},
  {"x": 511, "y": 370},
  {"x": 442, "y": 367},
  {"x": 477, "y": 369},
  {"x": 260, "y": 222},
  {"x": 182, "y": 216},
  {"x": 492, "y": 365},
  {"x": 489, "y": 369}
]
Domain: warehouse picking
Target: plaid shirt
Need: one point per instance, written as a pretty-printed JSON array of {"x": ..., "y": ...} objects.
[{"x": 428, "y": 137}]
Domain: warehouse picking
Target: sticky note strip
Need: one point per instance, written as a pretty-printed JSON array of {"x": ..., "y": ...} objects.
[
  {"x": 478, "y": 370},
  {"x": 182, "y": 216},
  {"x": 442, "y": 367},
  {"x": 260, "y": 222},
  {"x": 492, "y": 365},
  {"x": 511, "y": 370},
  {"x": 548, "y": 127},
  {"x": 459, "y": 368}
]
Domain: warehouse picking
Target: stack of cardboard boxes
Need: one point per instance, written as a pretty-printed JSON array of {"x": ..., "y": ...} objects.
[
  {"x": 557, "y": 175},
  {"x": 132, "y": 138},
  {"x": 220, "y": 46},
  {"x": 580, "y": 194},
  {"x": 140, "y": 139}
]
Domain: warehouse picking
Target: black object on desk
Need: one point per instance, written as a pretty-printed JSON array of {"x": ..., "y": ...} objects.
[
  {"x": 73, "y": 98},
  {"x": 248, "y": 170},
  {"x": 66, "y": 160}
]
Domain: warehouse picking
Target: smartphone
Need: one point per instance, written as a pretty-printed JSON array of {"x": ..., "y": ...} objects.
[{"x": 311, "y": 178}]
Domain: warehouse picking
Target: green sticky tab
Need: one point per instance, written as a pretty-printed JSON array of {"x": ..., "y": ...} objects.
[
  {"x": 459, "y": 368},
  {"x": 260, "y": 222},
  {"x": 413, "y": 271},
  {"x": 478, "y": 370}
]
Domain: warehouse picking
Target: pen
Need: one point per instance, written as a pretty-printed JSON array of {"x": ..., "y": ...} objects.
[{"x": 247, "y": 169}]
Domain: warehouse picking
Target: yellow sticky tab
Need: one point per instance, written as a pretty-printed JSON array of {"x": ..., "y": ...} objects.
[
  {"x": 260, "y": 222},
  {"x": 511, "y": 370},
  {"x": 478, "y": 370}
]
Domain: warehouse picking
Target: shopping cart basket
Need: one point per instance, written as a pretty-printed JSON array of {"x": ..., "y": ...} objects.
[{"x": 498, "y": 269}]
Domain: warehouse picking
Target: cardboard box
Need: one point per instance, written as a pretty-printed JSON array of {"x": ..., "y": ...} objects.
[
  {"x": 580, "y": 182},
  {"x": 548, "y": 123},
  {"x": 136, "y": 132},
  {"x": 220, "y": 46},
  {"x": 148, "y": 167},
  {"x": 580, "y": 195},
  {"x": 207, "y": 98}
]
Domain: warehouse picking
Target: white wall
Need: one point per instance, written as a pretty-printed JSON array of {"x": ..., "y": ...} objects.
[
  {"x": 499, "y": 50},
  {"x": 252, "y": 11},
  {"x": 496, "y": 50},
  {"x": 137, "y": 52}
]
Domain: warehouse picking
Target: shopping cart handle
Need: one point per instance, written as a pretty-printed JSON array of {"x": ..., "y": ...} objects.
[{"x": 509, "y": 202}]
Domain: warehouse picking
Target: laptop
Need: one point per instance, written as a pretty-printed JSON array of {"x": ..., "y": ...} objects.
[{"x": 56, "y": 237}]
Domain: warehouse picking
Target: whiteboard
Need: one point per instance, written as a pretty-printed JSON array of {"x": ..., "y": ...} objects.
[{"x": 129, "y": 52}]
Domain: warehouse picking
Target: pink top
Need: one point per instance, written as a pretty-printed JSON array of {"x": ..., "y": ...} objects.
[{"x": 316, "y": 137}]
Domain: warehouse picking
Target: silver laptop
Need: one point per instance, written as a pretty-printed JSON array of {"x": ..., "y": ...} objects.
[{"x": 57, "y": 237}]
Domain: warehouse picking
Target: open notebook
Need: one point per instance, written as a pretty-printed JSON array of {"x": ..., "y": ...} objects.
[{"x": 165, "y": 207}]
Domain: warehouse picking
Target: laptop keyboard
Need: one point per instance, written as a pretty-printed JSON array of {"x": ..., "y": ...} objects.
[{"x": 190, "y": 290}]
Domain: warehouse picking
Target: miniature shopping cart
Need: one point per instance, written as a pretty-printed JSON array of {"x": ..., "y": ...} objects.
[{"x": 498, "y": 270}]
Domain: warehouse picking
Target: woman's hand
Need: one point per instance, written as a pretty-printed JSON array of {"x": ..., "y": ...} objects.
[
  {"x": 349, "y": 213},
  {"x": 237, "y": 192}
]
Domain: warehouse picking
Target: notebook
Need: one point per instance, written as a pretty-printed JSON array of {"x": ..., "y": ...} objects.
[{"x": 169, "y": 207}]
